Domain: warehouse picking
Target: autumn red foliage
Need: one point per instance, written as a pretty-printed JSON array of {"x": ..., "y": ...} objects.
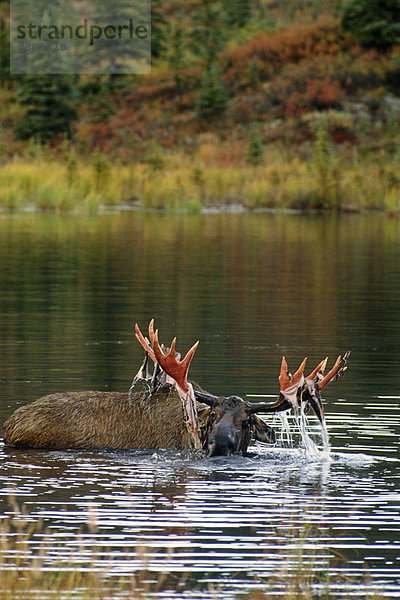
[{"x": 272, "y": 52}]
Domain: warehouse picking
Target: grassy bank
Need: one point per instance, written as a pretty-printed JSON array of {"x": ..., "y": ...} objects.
[{"x": 339, "y": 179}]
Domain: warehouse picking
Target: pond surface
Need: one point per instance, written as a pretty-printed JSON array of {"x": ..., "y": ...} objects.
[{"x": 251, "y": 288}]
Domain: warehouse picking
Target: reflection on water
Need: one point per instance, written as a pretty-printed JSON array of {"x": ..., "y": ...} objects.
[
  {"x": 232, "y": 523},
  {"x": 251, "y": 288}
]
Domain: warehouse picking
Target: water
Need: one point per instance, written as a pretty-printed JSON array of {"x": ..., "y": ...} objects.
[{"x": 251, "y": 287}]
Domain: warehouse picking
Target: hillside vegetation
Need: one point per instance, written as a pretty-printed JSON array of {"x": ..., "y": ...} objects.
[{"x": 255, "y": 103}]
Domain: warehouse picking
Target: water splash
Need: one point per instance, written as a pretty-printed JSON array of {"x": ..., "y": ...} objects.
[
  {"x": 310, "y": 446},
  {"x": 305, "y": 431},
  {"x": 286, "y": 437}
]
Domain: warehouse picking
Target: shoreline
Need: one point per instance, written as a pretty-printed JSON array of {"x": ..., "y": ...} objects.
[
  {"x": 210, "y": 210},
  {"x": 284, "y": 183}
]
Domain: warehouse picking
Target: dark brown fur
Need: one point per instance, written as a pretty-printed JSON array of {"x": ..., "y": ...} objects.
[{"x": 94, "y": 420}]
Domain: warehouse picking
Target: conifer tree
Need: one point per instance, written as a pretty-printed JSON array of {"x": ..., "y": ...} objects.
[
  {"x": 254, "y": 74},
  {"x": 50, "y": 111},
  {"x": 117, "y": 54},
  {"x": 4, "y": 43},
  {"x": 158, "y": 29},
  {"x": 176, "y": 56},
  {"x": 238, "y": 12},
  {"x": 372, "y": 22},
  {"x": 207, "y": 36},
  {"x": 255, "y": 152},
  {"x": 113, "y": 59},
  {"x": 4, "y": 51},
  {"x": 213, "y": 98}
]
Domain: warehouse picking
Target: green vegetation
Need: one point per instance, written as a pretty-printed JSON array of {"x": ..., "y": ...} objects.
[
  {"x": 277, "y": 180},
  {"x": 49, "y": 113},
  {"x": 238, "y": 12},
  {"x": 4, "y": 50},
  {"x": 277, "y": 105},
  {"x": 255, "y": 153},
  {"x": 373, "y": 22},
  {"x": 212, "y": 99},
  {"x": 158, "y": 29}
]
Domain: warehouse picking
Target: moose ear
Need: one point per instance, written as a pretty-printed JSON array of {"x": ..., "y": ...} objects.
[{"x": 261, "y": 431}]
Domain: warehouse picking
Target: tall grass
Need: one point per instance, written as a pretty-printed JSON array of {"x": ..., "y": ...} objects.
[
  {"x": 29, "y": 567},
  {"x": 308, "y": 570},
  {"x": 62, "y": 186},
  {"x": 325, "y": 178}
]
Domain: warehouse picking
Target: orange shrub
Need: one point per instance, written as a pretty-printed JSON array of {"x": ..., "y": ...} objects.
[
  {"x": 323, "y": 93},
  {"x": 322, "y": 37},
  {"x": 293, "y": 97}
]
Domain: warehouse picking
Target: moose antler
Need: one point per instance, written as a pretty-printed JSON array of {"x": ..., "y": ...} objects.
[
  {"x": 310, "y": 392},
  {"x": 337, "y": 370},
  {"x": 143, "y": 373},
  {"x": 289, "y": 385},
  {"x": 177, "y": 370},
  {"x": 315, "y": 382},
  {"x": 147, "y": 346},
  {"x": 298, "y": 389},
  {"x": 144, "y": 341},
  {"x": 286, "y": 380},
  {"x": 318, "y": 371}
]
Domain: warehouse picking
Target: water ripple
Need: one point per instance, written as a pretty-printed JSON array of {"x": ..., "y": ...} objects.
[{"x": 232, "y": 522}]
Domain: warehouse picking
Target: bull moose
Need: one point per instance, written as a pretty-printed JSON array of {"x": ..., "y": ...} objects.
[{"x": 167, "y": 412}]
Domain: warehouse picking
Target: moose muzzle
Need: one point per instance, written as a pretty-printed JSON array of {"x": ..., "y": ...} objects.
[{"x": 222, "y": 441}]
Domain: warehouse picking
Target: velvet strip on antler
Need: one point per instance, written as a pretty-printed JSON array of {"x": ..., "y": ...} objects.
[{"x": 177, "y": 371}]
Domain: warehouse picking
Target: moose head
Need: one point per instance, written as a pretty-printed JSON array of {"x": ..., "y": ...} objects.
[{"x": 226, "y": 424}]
